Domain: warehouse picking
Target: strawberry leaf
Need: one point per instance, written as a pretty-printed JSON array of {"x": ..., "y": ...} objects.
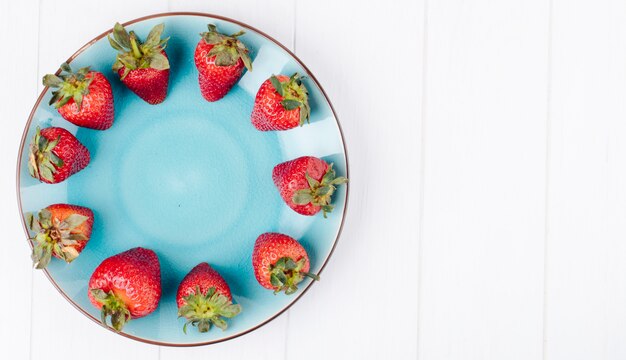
[
  {"x": 46, "y": 173},
  {"x": 277, "y": 85},
  {"x": 159, "y": 61},
  {"x": 305, "y": 113},
  {"x": 312, "y": 182},
  {"x": 302, "y": 197},
  {"x": 247, "y": 61},
  {"x": 324, "y": 190},
  {"x": 327, "y": 209},
  {"x": 55, "y": 160},
  {"x": 154, "y": 36},
  {"x": 52, "y": 80},
  {"x": 78, "y": 99},
  {"x": 50, "y": 145},
  {"x": 290, "y": 104},
  {"x": 339, "y": 180},
  {"x": 42, "y": 257},
  {"x": 77, "y": 237},
  {"x": 55, "y": 97},
  {"x": 121, "y": 35},
  {"x": 114, "y": 44},
  {"x": 74, "y": 220},
  {"x": 231, "y": 310},
  {"x": 32, "y": 223},
  {"x": 223, "y": 59},
  {"x": 69, "y": 253},
  {"x": 66, "y": 67}
]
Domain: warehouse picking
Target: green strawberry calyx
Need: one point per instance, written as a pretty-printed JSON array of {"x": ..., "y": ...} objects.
[
  {"x": 133, "y": 54},
  {"x": 295, "y": 95},
  {"x": 227, "y": 49},
  {"x": 286, "y": 274},
  {"x": 320, "y": 193},
  {"x": 69, "y": 85},
  {"x": 54, "y": 237},
  {"x": 204, "y": 310},
  {"x": 112, "y": 306},
  {"x": 42, "y": 162}
]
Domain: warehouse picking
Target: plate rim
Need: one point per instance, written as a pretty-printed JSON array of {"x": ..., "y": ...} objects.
[{"x": 310, "y": 75}]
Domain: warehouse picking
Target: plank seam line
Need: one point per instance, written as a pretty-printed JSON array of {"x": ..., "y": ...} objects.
[
  {"x": 32, "y": 272},
  {"x": 547, "y": 182},
  {"x": 293, "y": 48},
  {"x": 293, "y": 36},
  {"x": 422, "y": 176}
]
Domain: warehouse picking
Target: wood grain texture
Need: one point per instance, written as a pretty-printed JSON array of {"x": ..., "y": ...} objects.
[
  {"x": 481, "y": 295},
  {"x": 586, "y": 267},
  {"x": 17, "y": 93},
  {"x": 365, "y": 305},
  {"x": 68, "y": 20}
]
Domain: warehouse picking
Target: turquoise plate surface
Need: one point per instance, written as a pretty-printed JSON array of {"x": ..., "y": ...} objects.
[{"x": 189, "y": 179}]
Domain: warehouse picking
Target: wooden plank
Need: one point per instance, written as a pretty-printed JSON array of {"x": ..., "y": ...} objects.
[
  {"x": 369, "y": 60},
  {"x": 75, "y": 23},
  {"x": 586, "y": 251},
  {"x": 273, "y": 17},
  {"x": 268, "y": 342},
  {"x": 18, "y": 94},
  {"x": 484, "y": 186}
]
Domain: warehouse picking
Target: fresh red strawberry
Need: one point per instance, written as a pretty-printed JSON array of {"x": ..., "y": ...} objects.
[
  {"x": 220, "y": 60},
  {"x": 280, "y": 263},
  {"x": 83, "y": 98},
  {"x": 61, "y": 230},
  {"x": 281, "y": 103},
  {"x": 143, "y": 67},
  {"x": 307, "y": 184},
  {"x": 55, "y": 154},
  {"x": 204, "y": 298},
  {"x": 126, "y": 286}
]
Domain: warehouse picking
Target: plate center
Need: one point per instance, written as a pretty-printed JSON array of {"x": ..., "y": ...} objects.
[{"x": 184, "y": 179}]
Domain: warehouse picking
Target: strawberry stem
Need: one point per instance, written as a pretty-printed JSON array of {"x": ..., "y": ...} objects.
[
  {"x": 286, "y": 274},
  {"x": 69, "y": 85},
  {"x": 112, "y": 306},
  {"x": 133, "y": 53},
  {"x": 320, "y": 192},
  {"x": 227, "y": 49},
  {"x": 204, "y": 310},
  {"x": 134, "y": 45}
]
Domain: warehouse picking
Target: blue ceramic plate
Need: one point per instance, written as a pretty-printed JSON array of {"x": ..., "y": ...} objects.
[{"x": 189, "y": 179}]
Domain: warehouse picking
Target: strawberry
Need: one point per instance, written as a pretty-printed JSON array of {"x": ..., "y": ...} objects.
[
  {"x": 281, "y": 103},
  {"x": 280, "y": 263},
  {"x": 307, "y": 184},
  {"x": 204, "y": 298},
  {"x": 61, "y": 230},
  {"x": 143, "y": 67},
  {"x": 55, "y": 154},
  {"x": 126, "y": 286},
  {"x": 220, "y": 60},
  {"x": 83, "y": 98}
]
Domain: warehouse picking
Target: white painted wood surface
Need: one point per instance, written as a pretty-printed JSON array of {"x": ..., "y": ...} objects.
[
  {"x": 481, "y": 278},
  {"x": 488, "y": 195},
  {"x": 586, "y": 243}
]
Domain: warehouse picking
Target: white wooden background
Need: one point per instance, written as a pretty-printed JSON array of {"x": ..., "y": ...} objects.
[{"x": 487, "y": 144}]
